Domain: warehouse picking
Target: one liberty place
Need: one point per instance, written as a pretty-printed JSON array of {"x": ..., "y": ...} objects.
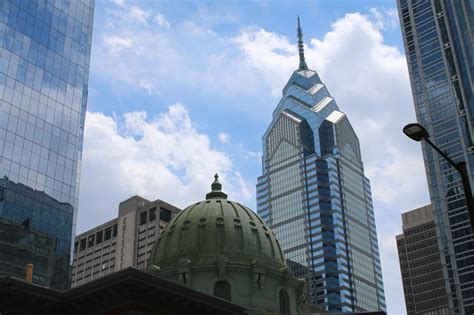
[{"x": 314, "y": 195}]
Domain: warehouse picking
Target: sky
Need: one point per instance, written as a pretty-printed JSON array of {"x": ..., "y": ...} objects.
[{"x": 180, "y": 90}]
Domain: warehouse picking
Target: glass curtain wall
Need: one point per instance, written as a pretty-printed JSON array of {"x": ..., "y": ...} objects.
[
  {"x": 315, "y": 197},
  {"x": 44, "y": 67},
  {"x": 438, "y": 38}
]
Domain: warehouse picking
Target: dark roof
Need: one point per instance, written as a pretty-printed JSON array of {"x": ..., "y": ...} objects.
[{"x": 129, "y": 287}]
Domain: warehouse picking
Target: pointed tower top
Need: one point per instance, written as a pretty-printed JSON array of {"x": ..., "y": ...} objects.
[{"x": 302, "y": 65}]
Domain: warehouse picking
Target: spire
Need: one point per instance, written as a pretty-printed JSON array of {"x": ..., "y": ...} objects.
[
  {"x": 303, "y": 65},
  {"x": 216, "y": 189}
]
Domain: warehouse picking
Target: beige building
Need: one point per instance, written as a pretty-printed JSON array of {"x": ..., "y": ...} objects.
[
  {"x": 123, "y": 242},
  {"x": 420, "y": 264}
]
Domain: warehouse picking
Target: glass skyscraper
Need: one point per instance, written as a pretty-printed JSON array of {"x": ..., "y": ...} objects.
[
  {"x": 438, "y": 37},
  {"x": 315, "y": 197},
  {"x": 45, "y": 50}
]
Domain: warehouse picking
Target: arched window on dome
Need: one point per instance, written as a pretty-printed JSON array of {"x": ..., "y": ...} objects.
[
  {"x": 284, "y": 303},
  {"x": 222, "y": 289}
]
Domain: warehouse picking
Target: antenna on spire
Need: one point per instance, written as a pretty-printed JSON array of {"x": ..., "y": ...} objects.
[{"x": 303, "y": 65}]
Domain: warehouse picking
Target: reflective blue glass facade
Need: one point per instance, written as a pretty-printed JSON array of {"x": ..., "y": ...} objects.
[
  {"x": 315, "y": 197},
  {"x": 44, "y": 67},
  {"x": 438, "y": 37}
]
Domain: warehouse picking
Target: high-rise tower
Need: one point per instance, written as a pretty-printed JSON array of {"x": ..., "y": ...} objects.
[
  {"x": 44, "y": 67},
  {"x": 439, "y": 44},
  {"x": 420, "y": 264},
  {"x": 315, "y": 197}
]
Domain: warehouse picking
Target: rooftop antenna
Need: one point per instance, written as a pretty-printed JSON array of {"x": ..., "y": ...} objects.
[{"x": 303, "y": 65}]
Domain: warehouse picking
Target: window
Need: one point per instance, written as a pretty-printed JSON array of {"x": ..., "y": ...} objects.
[
  {"x": 90, "y": 241},
  {"x": 165, "y": 215},
  {"x": 75, "y": 247},
  {"x": 114, "y": 230},
  {"x": 284, "y": 303},
  {"x": 83, "y": 244},
  {"x": 143, "y": 218},
  {"x": 108, "y": 233},
  {"x": 222, "y": 290},
  {"x": 152, "y": 214},
  {"x": 98, "y": 237}
]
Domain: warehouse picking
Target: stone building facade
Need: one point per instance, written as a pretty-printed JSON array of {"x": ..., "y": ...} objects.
[
  {"x": 420, "y": 264},
  {"x": 123, "y": 242}
]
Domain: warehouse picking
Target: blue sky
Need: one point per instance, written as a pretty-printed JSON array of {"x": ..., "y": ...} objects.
[{"x": 181, "y": 89}]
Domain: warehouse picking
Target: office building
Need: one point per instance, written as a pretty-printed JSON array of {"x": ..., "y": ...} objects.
[
  {"x": 438, "y": 38},
  {"x": 120, "y": 243},
  {"x": 22, "y": 244},
  {"x": 315, "y": 197},
  {"x": 44, "y": 67},
  {"x": 420, "y": 264}
]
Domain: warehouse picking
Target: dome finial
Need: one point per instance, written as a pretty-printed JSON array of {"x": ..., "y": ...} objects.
[
  {"x": 302, "y": 65},
  {"x": 216, "y": 187}
]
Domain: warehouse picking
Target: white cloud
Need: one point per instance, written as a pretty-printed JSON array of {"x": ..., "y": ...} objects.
[
  {"x": 119, "y": 2},
  {"x": 137, "y": 14},
  {"x": 224, "y": 137},
  {"x": 115, "y": 44},
  {"x": 270, "y": 53},
  {"x": 149, "y": 87},
  {"x": 132, "y": 14},
  {"x": 254, "y": 155},
  {"x": 188, "y": 55},
  {"x": 384, "y": 18},
  {"x": 165, "y": 157},
  {"x": 161, "y": 20}
]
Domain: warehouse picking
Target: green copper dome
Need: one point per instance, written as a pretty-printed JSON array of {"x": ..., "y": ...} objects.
[
  {"x": 224, "y": 249},
  {"x": 217, "y": 227}
]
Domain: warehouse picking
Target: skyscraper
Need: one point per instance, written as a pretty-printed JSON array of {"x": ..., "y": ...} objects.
[
  {"x": 420, "y": 264},
  {"x": 44, "y": 67},
  {"x": 438, "y": 37},
  {"x": 315, "y": 197}
]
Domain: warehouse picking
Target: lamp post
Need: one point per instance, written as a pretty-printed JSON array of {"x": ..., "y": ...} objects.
[{"x": 417, "y": 132}]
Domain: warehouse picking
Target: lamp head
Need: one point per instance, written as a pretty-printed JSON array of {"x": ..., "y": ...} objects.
[{"x": 416, "y": 132}]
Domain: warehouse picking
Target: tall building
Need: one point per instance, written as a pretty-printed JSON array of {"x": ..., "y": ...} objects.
[
  {"x": 44, "y": 67},
  {"x": 313, "y": 194},
  {"x": 438, "y": 37},
  {"x": 420, "y": 264},
  {"x": 123, "y": 242},
  {"x": 22, "y": 244}
]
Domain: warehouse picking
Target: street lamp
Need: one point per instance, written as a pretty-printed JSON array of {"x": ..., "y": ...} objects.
[{"x": 417, "y": 132}]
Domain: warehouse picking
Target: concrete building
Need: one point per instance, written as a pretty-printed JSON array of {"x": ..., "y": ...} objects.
[
  {"x": 120, "y": 243},
  {"x": 420, "y": 264},
  {"x": 439, "y": 44},
  {"x": 314, "y": 195}
]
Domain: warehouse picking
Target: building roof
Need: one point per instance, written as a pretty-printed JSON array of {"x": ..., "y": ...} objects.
[{"x": 124, "y": 289}]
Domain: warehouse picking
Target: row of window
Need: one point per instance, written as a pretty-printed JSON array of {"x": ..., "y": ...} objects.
[
  {"x": 150, "y": 215},
  {"x": 95, "y": 239}
]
